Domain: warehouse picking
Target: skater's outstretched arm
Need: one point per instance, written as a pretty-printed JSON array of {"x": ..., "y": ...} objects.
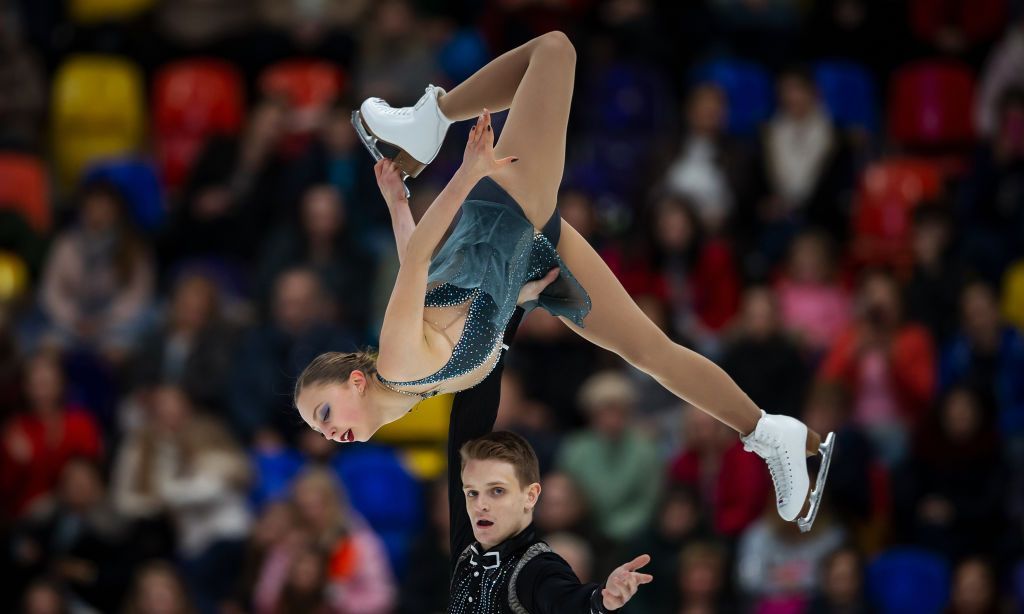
[
  {"x": 403, "y": 319},
  {"x": 393, "y": 190}
]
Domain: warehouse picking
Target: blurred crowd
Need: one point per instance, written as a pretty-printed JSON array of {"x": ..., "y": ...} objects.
[{"x": 825, "y": 197}]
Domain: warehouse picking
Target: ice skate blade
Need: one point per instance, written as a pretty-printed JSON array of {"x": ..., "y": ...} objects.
[
  {"x": 826, "y": 449},
  {"x": 370, "y": 143},
  {"x": 408, "y": 165}
]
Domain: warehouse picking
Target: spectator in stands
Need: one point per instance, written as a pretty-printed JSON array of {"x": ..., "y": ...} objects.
[
  {"x": 158, "y": 589},
  {"x": 974, "y": 588},
  {"x": 576, "y": 551},
  {"x": 762, "y": 359},
  {"x": 677, "y": 522},
  {"x": 564, "y": 509},
  {"x": 732, "y": 485},
  {"x": 611, "y": 462},
  {"x": 805, "y": 167},
  {"x": 395, "y": 57},
  {"x": 324, "y": 242},
  {"x": 44, "y": 596},
  {"x": 1001, "y": 73},
  {"x": 887, "y": 364},
  {"x": 528, "y": 418},
  {"x": 842, "y": 585},
  {"x": 708, "y": 170},
  {"x": 194, "y": 347},
  {"x": 271, "y": 356},
  {"x": 950, "y": 495},
  {"x": 277, "y": 520},
  {"x": 814, "y": 306},
  {"x": 188, "y": 464},
  {"x": 425, "y": 587},
  {"x": 703, "y": 579},
  {"x": 234, "y": 191},
  {"x": 38, "y": 443},
  {"x": 933, "y": 290},
  {"x": 778, "y": 567},
  {"x": 990, "y": 201},
  {"x": 97, "y": 287},
  {"x": 23, "y": 94},
  {"x": 358, "y": 576},
  {"x": 988, "y": 355},
  {"x": 76, "y": 536}
]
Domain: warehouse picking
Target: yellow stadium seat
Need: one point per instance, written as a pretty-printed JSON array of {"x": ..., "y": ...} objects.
[
  {"x": 98, "y": 112},
  {"x": 1013, "y": 295},
  {"x": 13, "y": 277},
  {"x": 96, "y": 11},
  {"x": 426, "y": 423},
  {"x": 425, "y": 463}
]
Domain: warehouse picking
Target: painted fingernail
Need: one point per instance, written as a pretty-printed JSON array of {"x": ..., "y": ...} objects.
[
  {"x": 488, "y": 127},
  {"x": 514, "y": 160}
]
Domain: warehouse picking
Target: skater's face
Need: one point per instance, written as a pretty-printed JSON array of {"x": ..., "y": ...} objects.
[
  {"x": 498, "y": 506},
  {"x": 342, "y": 412}
]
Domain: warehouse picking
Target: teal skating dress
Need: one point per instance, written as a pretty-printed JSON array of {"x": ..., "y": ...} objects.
[{"x": 493, "y": 251}]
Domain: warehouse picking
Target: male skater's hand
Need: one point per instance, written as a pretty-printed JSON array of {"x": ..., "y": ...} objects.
[
  {"x": 623, "y": 582},
  {"x": 531, "y": 290}
]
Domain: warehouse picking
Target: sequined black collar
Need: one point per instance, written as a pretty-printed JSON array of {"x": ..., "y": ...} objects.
[{"x": 493, "y": 557}]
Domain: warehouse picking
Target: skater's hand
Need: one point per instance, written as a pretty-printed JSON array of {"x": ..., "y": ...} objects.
[
  {"x": 531, "y": 290},
  {"x": 389, "y": 180},
  {"x": 623, "y": 582},
  {"x": 478, "y": 160}
]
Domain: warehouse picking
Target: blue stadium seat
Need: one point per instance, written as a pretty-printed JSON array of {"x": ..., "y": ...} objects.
[
  {"x": 748, "y": 87},
  {"x": 909, "y": 580},
  {"x": 140, "y": 185},
  {"x": 385, "y": 494},
  {"x": 627, "y": 100},
  {"x": 848, "y": 91},
  {"x": 463, "y": 54}
]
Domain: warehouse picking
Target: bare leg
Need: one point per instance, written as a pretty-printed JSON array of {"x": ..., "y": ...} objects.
[
  {"x": 534, "y": 81},
  {"x": 617, "y": 324}
]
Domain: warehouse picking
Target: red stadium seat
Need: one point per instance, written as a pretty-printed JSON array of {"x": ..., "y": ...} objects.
[
  {"x": 883, "y": 206},
  {"x": 931, "y": 104},
  {"x": 305, "y": 83},
  {"x": 24, "y": 189},
  {"x": 193, "y": 100}
]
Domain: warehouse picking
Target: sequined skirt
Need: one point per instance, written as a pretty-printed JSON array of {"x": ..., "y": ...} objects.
[{"x": 496, "y": 249}]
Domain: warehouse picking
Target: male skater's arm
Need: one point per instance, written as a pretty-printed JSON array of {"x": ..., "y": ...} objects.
[
  {"x": 473, "y": 413},
  {"x": 547, "y": 585}
]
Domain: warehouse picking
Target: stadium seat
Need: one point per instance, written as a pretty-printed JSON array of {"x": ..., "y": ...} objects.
[
  {"x": 882, "y": 209},
  {"x": 931, "y": 104},
  {"x": 908, "y": 580},
  {"x": 192, "y": 100},
  {"x": 385, "y": 494},
  {"x": 139, "y": 184},
  {"x": 464, "y": 54},
  {"x": 24, "y": 189},
  {"x": 87, "y": 12},
  {"x": 629, "y": 100},
  {"x": 427, "y": 423},
  {"x": 747, "y": 86},
  {"x": 98, "y": 112},
  {"x": 1013, "y": 295},
  {"x": 848, "y": 91},
  {"x": 13, "y": 276},
  {"x": 305, "y": 83}
]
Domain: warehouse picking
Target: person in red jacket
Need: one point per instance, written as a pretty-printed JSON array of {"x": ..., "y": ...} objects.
[
  {"x": 887, "y": 364},
  {"x": 37, "y": 443}
]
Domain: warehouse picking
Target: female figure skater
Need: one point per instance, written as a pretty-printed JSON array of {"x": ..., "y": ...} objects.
[{"x": 443, "y": 326}]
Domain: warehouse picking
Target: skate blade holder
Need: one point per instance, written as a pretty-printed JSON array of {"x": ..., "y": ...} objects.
[
  {"x": 370, "y": 142},
  {"x": 826, "y": 449}
]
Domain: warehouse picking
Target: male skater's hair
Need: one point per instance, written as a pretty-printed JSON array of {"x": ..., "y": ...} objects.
[{"x": 507, "y": 447}]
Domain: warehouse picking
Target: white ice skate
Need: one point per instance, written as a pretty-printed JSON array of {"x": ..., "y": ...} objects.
[
  {"x": 411, "y": 136},
  {"x": 781, "y": 441}
]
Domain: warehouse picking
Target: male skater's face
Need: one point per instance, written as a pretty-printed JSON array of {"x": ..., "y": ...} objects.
[{"x": 498, "y": 506}]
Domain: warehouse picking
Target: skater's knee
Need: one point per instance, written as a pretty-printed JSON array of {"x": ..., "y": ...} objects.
[{"x": 555, "y": 45}]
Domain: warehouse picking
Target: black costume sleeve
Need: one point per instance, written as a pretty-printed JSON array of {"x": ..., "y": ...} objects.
[
  {"x": 473, "y": 413},
  {"x": 547, "y": 585}
]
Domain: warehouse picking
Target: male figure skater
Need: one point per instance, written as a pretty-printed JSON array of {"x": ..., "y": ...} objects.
[{"x": 499, "y": 564}]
